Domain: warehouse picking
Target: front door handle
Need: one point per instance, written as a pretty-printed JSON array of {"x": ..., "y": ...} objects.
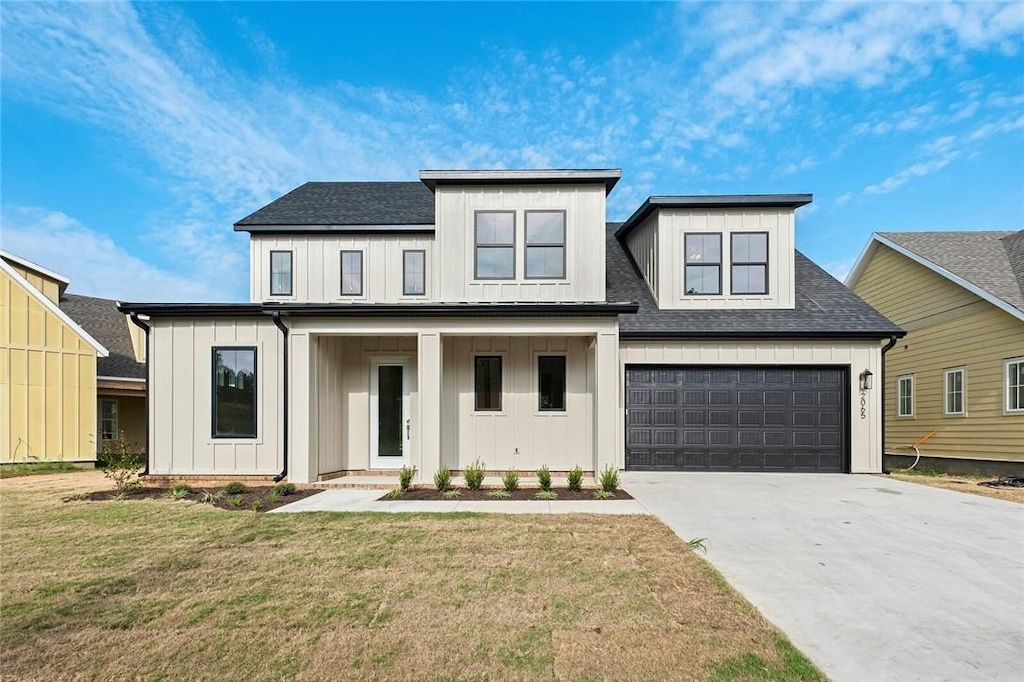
[{"x": 408, "y": 428}]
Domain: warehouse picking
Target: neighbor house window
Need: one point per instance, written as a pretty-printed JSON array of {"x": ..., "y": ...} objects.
[
  {"x": 487, "y": 383},
  {"x": 545, "y": 245},
  {"x": 703, "y": 264},
  {"x": 108, "y": 420},
  {"x": 750, "y": 263},
  {"x": 551, "y": 383},
  {"x": 414, "y": 273},
  {"x": 906, "y": 396},
  {"x": 351, "y": 273},
  {"x": 955, "y": 381},
  {"x": 1015, "y": 385},
  {"x": 234, "y": 392},
  {"x": 280, "y": 273},
  {"x": 495, "y": 240}
]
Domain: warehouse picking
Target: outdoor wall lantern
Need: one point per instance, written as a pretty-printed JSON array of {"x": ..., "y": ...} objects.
[{"x": 865, "y": 380}]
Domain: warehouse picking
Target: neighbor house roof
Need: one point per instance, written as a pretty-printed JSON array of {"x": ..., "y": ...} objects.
[
  {"x": 101, "y": 318},
  {"x": 824, "y": 307},
  {"x": 704, "y": 201},
  {"x": 347, "y": 207},
  {"x": 989, "y": 264}
]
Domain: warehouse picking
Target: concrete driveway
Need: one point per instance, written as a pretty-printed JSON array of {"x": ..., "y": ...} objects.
[{"x": 874, "y": 579}]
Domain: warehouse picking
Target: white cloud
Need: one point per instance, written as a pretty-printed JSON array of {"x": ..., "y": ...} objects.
[{"x": 840, "y": 269}]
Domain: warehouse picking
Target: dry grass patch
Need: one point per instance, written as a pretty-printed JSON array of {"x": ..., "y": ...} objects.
[
  {"x": 159, "y": 589},
  {"x": 964, "y": 484}
]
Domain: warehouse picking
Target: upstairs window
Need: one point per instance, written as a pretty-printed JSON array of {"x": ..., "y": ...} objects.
[
  {"x": 1015, "y": 385},
  {"x": 280, "y": 273},
  {"x": 487, "y": 383},
  {"x": 551, "y": 383},
  {"x": 495, "y": 245},
  {"x": 545, "y": 245},
  {"x": 414, "y": 273},
  {"x": 703, "y": 264},
  {"x": 234, "y": 392},
  {"x": 750, "y": 263},
  {"x": 954, "y": 393},
  {"x": 905, "y": 407},
  {"x": 351, "y": 273}
]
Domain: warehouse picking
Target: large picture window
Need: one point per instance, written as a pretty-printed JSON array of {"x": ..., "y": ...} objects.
[
  {"x": 750, "y": 263},
  {"x": 1015, "y": 385},
  {"x": 551, "y": 383},
  {"x": 351, "y": 273},
  {"x": 495, "y": 245},
  {"x": 280, "y": 273},
  {"x": 545, "y": 245},
  {"x": 487, "y": 383},
  {"x": 954, "y": 390},
  {"x": 414, "y": 273},
  {"x": 234, "y": 392},
  {"x": 703, "y": 264},
  {"x": 905, "y": 407}
]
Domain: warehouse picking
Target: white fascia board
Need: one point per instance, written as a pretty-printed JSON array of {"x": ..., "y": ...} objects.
[
  {"x": 34, "y": 266},
  {"x": 131, "y": 380},
  {"x": 54, "y": 308},
  {"x": 860, "y": 264}
]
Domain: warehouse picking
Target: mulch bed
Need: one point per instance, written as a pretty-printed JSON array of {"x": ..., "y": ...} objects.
[
  {"x": 564, "y": 494},
  {"x": 225, "y": 501}
]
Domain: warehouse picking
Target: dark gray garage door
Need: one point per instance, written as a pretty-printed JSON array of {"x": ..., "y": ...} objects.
[{"x": 736, "y": 418}]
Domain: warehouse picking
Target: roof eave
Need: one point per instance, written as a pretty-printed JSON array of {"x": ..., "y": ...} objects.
[
  {"x": 293, "y": 228},
  {"x": 606, "y": 176},
  {"x": 379, "y": 310},
  {"x": 653, "y": 203}
]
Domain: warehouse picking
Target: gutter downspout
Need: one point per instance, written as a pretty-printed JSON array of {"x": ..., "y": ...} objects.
[
  {"x": 276, "y": 317},
  {"x": 134, "y": 317},
  {"x": 893, "y": 338}
]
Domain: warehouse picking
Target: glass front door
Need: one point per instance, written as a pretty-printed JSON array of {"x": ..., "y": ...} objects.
[{"x": 390, "y": 423}]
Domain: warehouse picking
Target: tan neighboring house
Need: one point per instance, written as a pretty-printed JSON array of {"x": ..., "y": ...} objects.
[
  {"x": 47, "y": 370},
  {"x": 498, "y": 315},
  {"x": 959, "y": 372}
]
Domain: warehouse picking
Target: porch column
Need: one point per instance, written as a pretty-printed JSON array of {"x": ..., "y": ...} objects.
[
  {"x": 299, "y": 465},
  {"x": 606, "y": 400},
  {"x": 429, "y": 386}
]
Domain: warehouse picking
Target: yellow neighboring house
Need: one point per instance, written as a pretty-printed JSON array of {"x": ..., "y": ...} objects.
[
  {"x": 959, "y": 372},
  {"x": 47, "y": 370}
]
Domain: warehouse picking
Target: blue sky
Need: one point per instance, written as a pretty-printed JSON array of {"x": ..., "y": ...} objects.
[{"x": 133, "y": 136}]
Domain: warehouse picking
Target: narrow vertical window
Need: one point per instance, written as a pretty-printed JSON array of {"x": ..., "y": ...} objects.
[
  {"x": 234, "y": 392},
  {"x": 1015, "y": 385},
  {"x": 414, "y": 273},
  {"x": 280, "y": 273},
  {"x": 351, "y": 273},
  {"x": 495, "y": 245},
  {"x": 108, "y": 420},
  {"x": 954, "y": 400},
  {"x": 487, "y": 383},
  {"x": 551, "y": 383},
  {"x": 545, "y": 245},
  {"x": 749, "y": 263},
  {"x": 703, "y": 264},
  {"x": 906, "y": 396}
]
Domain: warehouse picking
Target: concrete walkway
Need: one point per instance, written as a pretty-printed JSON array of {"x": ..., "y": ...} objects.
[
  {"x": 350, "y": 500},
  {"x": 874, "y": 579}
]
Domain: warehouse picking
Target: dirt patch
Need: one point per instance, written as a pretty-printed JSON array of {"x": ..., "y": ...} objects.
[
  {"x": 261, "y": 498},
  {"x": 563, "y": 494},
  {"x": 964, "y": 484}
]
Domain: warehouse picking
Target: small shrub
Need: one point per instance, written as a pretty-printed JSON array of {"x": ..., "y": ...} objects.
[
  {"x": 405, "y": 477},
  {"x": 604, "y": 495},
  {"x": 284, "y": 489},
  {"x": 179, "y": 492},
  {"x": 256, "y": 505},
  {"x": 274, "y": 497},
  {"x": 546, "y": 495},
  {"x": 77, "y": 497},
  {"x": 474, "y": 475},
  {"x": 609, "y": 479},
  {"x": 698, "y": 544},
  {"x": 122, "y": 465},
  {"x": 210, "y": 498},
  {"x": 235, "y": 502},
  {"x": 181, "y": 488},
  {"x": 544, "y": 478},
  {"x": 234, "y": 488},
  {"x": 452, "y": 494},
  {"x": 395, "y": 494},
  {"x": 443, "y": 479},
  {"x": 510, "y": 479},
  {"x": 499, "y": 494},
  {"x": 575, "y": 479}
]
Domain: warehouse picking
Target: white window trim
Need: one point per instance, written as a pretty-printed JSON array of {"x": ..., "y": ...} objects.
[
  {"x": 899, "y": 396},
  {"x": 535, "y": 384},
  {"x": 963, "y": 392},
  {"x": 117, "y": 419},
  {"x": 473, "y": 412},
  {"x": 1006, "y": 386}
]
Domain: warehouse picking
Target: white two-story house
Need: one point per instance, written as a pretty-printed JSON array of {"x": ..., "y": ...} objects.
[{"x": 497, "y": 315}]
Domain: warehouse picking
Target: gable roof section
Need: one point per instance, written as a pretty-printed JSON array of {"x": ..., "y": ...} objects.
[
  {"x": 61, "y": 280},
  {"x": 989, "y": 264},
  {"x": 824, "y": 308},
  {"x": 52, "y": 307},
  {"x": 101, "y": 318},
  {"x": 652, "y": 204},
  {"x": 347, "y": 207}
]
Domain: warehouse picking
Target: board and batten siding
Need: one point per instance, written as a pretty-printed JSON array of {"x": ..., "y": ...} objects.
[
  {"x": 584, "y": 207},
  {"x": 642, "y": 243},
  {"x": 49, "y": 287},
  {"x": 947, "y": 327},
  {"x": 47, "y": 382},
  {"x": 181, "y": 401},
  {"x": 865, "y": 432},
  {"x": 316, "y": 267},
  {"x": 675, "y": 223}
]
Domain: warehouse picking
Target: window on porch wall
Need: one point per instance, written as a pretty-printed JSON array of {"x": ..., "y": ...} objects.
[{"x": 487, "y": 383}]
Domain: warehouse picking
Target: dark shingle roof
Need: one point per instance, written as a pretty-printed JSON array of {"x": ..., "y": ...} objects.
[
  {"x": 824, "y": 307},
  {"x": 985, "y": 259},
  {"x": 347, "y": 204},
  {"x": 101, "y": 318}
]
